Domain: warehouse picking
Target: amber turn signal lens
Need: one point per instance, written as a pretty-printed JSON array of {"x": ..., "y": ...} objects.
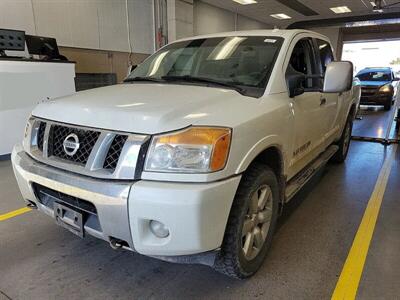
[{"x": 220, "y": 152}]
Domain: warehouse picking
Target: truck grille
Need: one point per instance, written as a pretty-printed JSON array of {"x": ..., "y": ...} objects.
[
  {"x": 40, "y": 137},
  {"x": 100, "y": 153},
  {"x": 369, "y": 90},
  {"x": 114, "y": 152},
  {"x": 87, "y": 140}
]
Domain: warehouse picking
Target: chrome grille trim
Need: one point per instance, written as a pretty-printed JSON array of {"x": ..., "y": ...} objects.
[
  {"x": 45, "y": 152},
  {"x": 122, "y": 169}
]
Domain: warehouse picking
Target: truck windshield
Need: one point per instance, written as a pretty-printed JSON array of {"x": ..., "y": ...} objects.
[
  {"x": 242, "y": 63},
  {"x": 375, "y": 76}
]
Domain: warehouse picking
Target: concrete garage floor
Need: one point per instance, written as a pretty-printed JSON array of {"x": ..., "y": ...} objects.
[
  {"x": 39, "y": 260},
  {"x": 373, "y": 124}
]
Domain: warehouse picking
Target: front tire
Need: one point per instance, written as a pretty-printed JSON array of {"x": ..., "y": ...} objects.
[
  {"x": 344, "y": 142},
  {"x": 251, "y": 223}
]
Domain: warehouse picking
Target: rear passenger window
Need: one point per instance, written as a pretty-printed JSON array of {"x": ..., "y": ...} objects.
[{"x": 325, "y": 54}]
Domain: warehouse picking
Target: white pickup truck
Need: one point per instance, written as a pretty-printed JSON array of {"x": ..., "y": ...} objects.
[{"x": 193, "y": 157}]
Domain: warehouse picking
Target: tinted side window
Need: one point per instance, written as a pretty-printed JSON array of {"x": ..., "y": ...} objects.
[
  {"x": 303, "y": 61},
  {"x": 325, "y": 54}
]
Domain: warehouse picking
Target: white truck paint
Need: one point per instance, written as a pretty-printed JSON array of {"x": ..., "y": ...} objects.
[{"x": 193, "y": 206}]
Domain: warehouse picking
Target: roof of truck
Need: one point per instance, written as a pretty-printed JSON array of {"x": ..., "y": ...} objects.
[{"x": 284, "y": 33}]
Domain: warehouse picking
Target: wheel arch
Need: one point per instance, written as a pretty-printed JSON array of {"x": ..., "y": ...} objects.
[
  {"x": 272, "y": 156},
  {"x": 353, "y": 110},
  {"x": 268, "y": 151}
]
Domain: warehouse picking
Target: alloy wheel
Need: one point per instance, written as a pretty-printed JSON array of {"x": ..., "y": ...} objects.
[{"x": 257, "y": 222}]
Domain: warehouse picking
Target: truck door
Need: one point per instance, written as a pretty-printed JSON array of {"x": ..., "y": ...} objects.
[
  {"x": 308, "y": 131},
  {"x": 329, "y": 102}
]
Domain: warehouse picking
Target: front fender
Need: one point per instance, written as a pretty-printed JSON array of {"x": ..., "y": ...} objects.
[
  {"x": 260, "y": 146},
  {"x": 355, "y": 96}
]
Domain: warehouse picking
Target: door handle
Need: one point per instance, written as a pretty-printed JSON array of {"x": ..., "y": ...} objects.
[{"x": 322, "y": 101}]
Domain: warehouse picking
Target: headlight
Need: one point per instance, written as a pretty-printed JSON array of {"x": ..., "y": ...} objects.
[
  {"x": 193, "y": 150},
  {"x": 386, "y": 88}
]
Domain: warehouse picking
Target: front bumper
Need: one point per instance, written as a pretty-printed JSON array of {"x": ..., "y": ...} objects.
[
  {"x": 377, "y": 99},
  {"x": 195, "y": 213}
]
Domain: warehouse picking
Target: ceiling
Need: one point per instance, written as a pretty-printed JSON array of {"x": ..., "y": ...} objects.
[{"x": 262, "y": 10}]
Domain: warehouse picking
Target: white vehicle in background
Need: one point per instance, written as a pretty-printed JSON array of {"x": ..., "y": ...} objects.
[{"x": 194, "y": 156}]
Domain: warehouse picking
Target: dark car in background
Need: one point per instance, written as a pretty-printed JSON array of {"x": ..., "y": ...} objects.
[{"x": 377, "y": 86}]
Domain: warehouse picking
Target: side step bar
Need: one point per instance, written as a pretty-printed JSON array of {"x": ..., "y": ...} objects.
[{"x": 296, "y": 183}]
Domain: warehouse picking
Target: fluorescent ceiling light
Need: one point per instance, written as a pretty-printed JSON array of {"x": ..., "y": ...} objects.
[
  {"x": 245, "y": 2},
  {"x": 281, "y": 16},
  {"x": 340, "y": 9}
]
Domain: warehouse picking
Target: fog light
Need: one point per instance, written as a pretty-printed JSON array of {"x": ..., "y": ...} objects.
[{"x": 159, "y": 229}]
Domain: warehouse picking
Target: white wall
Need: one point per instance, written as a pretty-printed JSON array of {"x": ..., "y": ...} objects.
[
  {"x": 17, "y": 15},
  {"x": 211, "y": 19},
  {"x": 142, "y": 25},
  {"x": 244, "y": 23},
  {"x": 180, "y": 19},
  {"x": 93, "y": 24}
]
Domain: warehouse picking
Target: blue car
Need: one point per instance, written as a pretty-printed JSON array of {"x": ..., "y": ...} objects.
[{"x": 377, "y": 86}]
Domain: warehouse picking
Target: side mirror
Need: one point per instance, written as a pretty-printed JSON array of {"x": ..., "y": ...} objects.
[
  {"x": 338, "y": 77},
  {"x": 295, "y": 84},
  {"x": 396, "y": 79}
]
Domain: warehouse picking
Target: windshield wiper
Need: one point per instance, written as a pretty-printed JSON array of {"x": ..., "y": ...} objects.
[
  {"x": 138, "y": 78},
  {"x": 188, "y": 78}
]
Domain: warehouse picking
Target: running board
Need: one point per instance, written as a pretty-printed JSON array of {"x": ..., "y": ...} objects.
[{"x": 296, "y": 183}]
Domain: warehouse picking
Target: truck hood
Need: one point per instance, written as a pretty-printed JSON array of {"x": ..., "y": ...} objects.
[
  {"x": 146, "y": 108},
  {"x": 374, "y": 83}
]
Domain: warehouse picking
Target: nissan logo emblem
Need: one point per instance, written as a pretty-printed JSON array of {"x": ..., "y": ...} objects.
[{"x": 71, "y": 144}]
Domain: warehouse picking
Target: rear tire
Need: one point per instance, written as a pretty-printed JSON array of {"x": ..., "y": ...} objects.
[
  {"x": 344, "y": 142},
  {"x": 251, "y": 223}
]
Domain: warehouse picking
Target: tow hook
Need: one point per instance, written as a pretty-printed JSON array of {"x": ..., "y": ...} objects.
[{"x": 115, "y": 243}]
